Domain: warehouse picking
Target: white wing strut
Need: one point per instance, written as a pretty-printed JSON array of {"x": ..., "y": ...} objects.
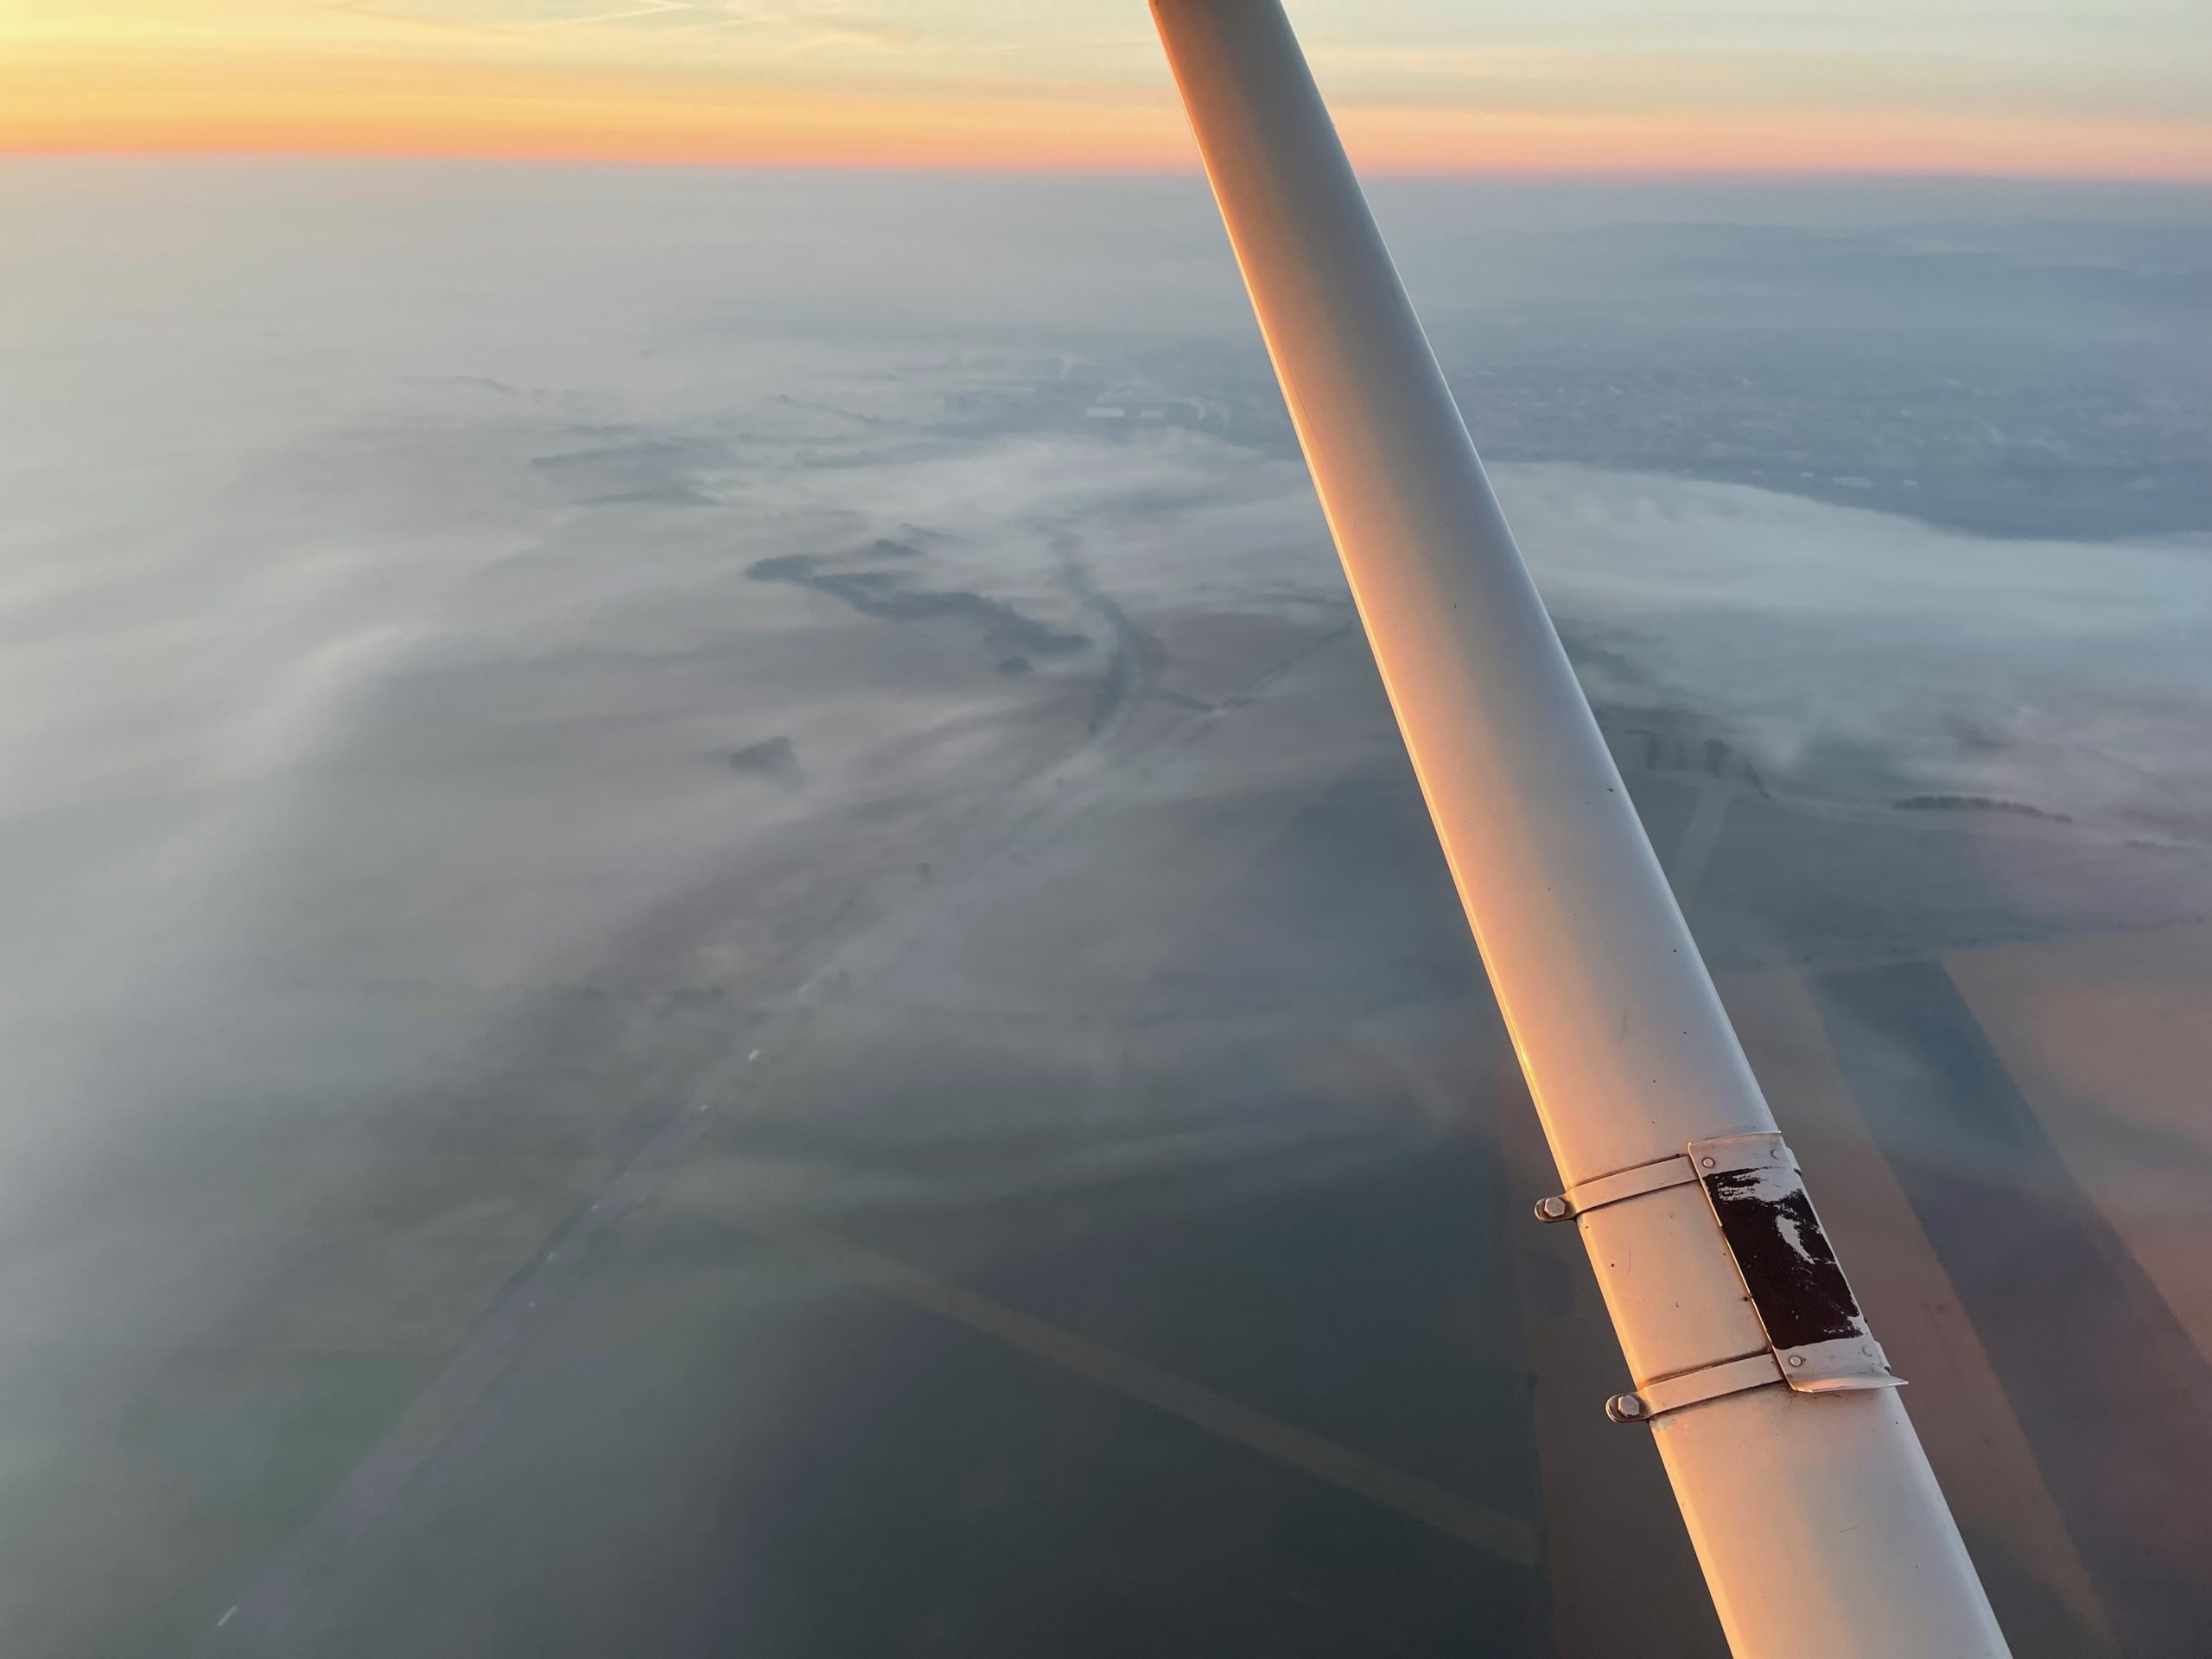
[{"x": 1820, "y": 1527}]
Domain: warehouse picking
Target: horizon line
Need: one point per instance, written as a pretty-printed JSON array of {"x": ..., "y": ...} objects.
[{"x": 1089, "y": 167}]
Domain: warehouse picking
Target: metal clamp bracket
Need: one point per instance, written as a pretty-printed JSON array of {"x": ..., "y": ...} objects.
[
  {"x": 1818, "y": 1368},
  {"x": 1587, "y": 1196},
  {"x": 1818, "y": 1341},
  {"x": 1694, "y": 1387}
]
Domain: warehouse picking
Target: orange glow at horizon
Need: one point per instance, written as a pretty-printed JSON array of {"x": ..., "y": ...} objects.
[{"x": 397, "y": 105}]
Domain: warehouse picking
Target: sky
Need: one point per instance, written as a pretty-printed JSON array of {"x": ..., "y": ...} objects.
[{"x": 2051, "y": 88}]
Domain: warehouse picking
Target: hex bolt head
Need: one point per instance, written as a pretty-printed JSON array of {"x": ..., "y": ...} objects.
[
  {"x": 1707, "y": 1162},
  {"x": 1551, "y": 1209},
  {"x": 1796, "y": 1359}
]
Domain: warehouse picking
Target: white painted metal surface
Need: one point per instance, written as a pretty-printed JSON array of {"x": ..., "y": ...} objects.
[{"x": 1820, "y": 1527}]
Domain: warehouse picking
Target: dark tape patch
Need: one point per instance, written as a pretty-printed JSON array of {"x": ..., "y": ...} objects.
[{"x": 1796, "y": 1286}]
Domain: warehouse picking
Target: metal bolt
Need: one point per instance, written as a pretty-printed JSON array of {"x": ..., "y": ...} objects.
[
  {"x": 1796, "y": 1359},
  {"x": 1551, "y": 1209},
  {"x": 1707, "y": 1162},
  {"x": 1776, "y": 1155}
]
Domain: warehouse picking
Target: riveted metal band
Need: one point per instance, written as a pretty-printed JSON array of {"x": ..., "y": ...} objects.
[
  {"x": 1694, "y": 1387},
  {"x": 1587, "y": 1196}
]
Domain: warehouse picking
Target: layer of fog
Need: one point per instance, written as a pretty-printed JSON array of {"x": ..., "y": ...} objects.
[
  {"x": 377, "y": 624},
  {"x": 1862, "y": 653},
  {"x": 414, "y": 717}
]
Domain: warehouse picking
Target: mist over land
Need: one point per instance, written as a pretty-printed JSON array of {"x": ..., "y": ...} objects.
[{"x": 565, "y": 732}]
